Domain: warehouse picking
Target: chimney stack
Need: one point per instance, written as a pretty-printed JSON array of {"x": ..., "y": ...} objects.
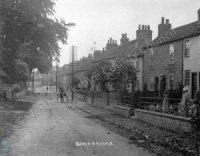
[
  {"x": 163, "y": 27},
  {"x": 144, "y": 34},
  {"x": 111, "y": 43},
  {"x": 198, "y": 15},
  {"x": 124, "y": 39}
]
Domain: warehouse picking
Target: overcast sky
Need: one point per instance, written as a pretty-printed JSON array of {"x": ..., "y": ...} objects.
[{"x": 98, "y": 20}]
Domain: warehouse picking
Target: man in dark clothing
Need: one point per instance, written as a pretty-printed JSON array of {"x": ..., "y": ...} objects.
[{"x": 61, "y": 91}]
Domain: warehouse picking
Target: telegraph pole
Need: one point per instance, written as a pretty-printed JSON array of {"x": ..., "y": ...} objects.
[
  {"x": 72, "y": 73},
  {"x": 33, "y": 81},
  {"x": 56, "y": 75}
]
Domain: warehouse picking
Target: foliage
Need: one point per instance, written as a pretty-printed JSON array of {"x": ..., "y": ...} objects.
[
  {"x": 76, "y": 82},
  {"x": 16, "y": 88},
  {"x": 98, "y": 73},
  {"x": 104, "y": 73},
  {"x": 21, "y": 72},
  {"x": 30, "y": 32},
  {"x": 126, "y": 74}
]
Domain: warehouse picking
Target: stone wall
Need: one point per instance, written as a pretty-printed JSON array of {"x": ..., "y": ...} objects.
[
  {"x": 79, "y": 96},
  {"x": 167, "y": 121},
  {"x": 89, "y": 100},
  {"x": 99, "y": 102},
  {"x": 122, "y": 111}
]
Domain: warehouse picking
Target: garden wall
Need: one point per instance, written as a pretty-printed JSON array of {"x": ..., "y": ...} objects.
[
  {"x": 168, "y": 121},
  {"x": 79, "y": 96},
  {"x": 122, "y": 111},
  {"x": 99, "y": 102}
]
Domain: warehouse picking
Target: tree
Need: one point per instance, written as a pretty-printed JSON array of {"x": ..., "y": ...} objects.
[
  {"x": 30, "y": 32},
  {"x": 21, "y": 72},
  {"x": 123, "y": 75},
  {"x": 98, "y": 73},
  {"x": 104, "y": 73}
]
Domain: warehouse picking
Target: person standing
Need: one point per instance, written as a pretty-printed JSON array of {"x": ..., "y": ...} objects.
[{"x": 61, "y": 91}]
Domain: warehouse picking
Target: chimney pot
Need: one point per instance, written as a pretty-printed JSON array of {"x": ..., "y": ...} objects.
[
  {"x": 198, "y": 14},
  {"x": 148, "y": 27},
  {"x": 115, "y": 41},
  {"x": 142, "y": 27},
  {"x": 162, "y": 22},
  {"x": 167, "y": 21},
  {"x": 110, "y": 40},
  {"x": 139, "y": 27}
]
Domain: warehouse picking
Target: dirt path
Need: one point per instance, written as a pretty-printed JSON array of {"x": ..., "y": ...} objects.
[{"x": 55, "y": 129}]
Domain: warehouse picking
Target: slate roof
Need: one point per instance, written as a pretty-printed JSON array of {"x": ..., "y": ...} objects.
[
  {"x": 119, "y": 50},
  {"x": 185, "y": 31}
]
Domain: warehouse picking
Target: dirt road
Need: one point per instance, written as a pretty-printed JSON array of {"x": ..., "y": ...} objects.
[{"x": 55, "y": 129}]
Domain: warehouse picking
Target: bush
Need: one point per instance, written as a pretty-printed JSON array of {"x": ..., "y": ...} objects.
[{"x": 16, "y": 88}]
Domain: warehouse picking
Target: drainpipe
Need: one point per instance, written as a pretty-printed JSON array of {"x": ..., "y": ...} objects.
[{"x": 182, "y": 59}]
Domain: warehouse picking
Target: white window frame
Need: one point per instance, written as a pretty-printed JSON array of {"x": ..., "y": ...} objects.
[
  {"x": 171, "y": 52},
  {"x": 151, "y": 56},
  {"x": 187, "y": 79},
  {"x": 187, "y": 54},
  {"x": 171, "y": 75}
]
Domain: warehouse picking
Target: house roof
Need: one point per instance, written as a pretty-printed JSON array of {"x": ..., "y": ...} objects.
[
  {"x": 120, "y": 50},
  {"x": 185, "y": 31}
]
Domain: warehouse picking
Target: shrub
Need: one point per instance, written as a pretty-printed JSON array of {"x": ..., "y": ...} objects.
[{"x": 16, "y": 88}]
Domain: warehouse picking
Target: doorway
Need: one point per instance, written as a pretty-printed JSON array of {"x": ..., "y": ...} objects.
[{"x": 194, "y": 84}]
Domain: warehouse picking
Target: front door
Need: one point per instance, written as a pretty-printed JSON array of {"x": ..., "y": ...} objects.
[{"x": 194, "y": 84}]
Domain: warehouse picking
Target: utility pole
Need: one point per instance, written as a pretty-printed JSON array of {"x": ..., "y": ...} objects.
[
  {"x": 56, "y": 75},
  {"x": 72, "y": 73},
  {"x": 33, "y": 82},
  {"x": 59, "y": 81}
]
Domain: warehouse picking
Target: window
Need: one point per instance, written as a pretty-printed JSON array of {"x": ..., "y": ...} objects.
[
  {"x": 151, "y": 56},
  {"x": 151, "y": 82},
  {"x": 171, "y": 82},
  {"x": 171, "y": 54},
  {"x": 187, "y": 48},
  {"x": 187, "y": 77}
]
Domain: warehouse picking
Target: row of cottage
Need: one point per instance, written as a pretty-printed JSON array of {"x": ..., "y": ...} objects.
[{"x": 168, "y": 61}]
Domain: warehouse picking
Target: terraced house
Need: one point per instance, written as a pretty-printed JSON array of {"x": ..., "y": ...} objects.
[{"x": 172, "y": 58}]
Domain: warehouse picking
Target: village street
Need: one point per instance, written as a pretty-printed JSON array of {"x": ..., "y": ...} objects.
[{"x": 63, "y": 130}]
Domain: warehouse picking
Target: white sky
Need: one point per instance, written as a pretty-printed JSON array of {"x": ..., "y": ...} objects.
[{"x": 98, "y": 20}]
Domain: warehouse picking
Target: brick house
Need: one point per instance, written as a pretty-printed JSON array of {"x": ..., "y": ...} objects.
[{"x": 172, "y": 58}]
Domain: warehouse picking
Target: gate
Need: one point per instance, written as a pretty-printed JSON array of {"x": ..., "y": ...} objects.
[{"x": 130, "y": 100}]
